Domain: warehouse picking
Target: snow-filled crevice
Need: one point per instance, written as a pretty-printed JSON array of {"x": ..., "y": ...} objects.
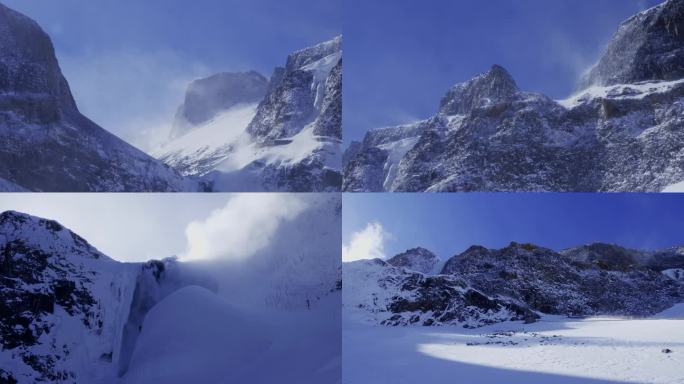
[{"x": 157, "y": 280}]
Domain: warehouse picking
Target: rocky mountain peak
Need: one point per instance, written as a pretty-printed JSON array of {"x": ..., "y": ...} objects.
[
  {"x": 209, "y": 96},
  {"x": 306, "y": 56},
  {"x": 416, "y": 259},
  {"x": 29, "y": 69},
  {"x": 648, "y": 46},
  {"x": 309, "y": 87},
  {"x": 487, "y": 89}
]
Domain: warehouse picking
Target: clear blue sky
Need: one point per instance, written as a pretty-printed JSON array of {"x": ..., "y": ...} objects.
[
  {"x": 128, "y": 61},
  {"x": 401, "y": 59},
  {"x": 448, "y": 224}
]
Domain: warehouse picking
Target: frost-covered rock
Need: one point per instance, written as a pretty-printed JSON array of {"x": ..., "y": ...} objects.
[
  {"x": 602, "y": 281},
  {"x": 48, "y": 145},
  {"x": 615, "y": 134}
]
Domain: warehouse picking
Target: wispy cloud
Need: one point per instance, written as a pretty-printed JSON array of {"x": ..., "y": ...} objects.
[{"x": 368, "y": 243}]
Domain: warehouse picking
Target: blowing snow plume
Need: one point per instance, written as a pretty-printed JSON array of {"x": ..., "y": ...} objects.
[{"x": 242, "y": 227}]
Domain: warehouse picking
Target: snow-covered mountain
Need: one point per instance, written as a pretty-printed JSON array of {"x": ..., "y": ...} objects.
[
  {"x": 520, "y": 282},
  {"x": 63, "y": 303},
  {"x": 71, "y": 314},
  {"x": 620, "y": 132},
  {"x": 233, "y": 132},
  {"x": 47, "y": 144},
  {"x": 215, "y": 113},
  {"x": 241, "y": 132}
]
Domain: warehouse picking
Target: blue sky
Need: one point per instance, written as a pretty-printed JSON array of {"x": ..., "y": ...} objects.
[
  {"x": 447, "y": 224},
  {"x": 401, "y": 59},
  {"x": 129, "y": 61}
]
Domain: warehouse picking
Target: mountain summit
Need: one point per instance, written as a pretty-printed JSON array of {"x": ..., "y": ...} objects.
[{"x": 488, "y": 89}]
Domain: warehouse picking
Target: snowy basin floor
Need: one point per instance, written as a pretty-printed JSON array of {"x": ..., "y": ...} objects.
[{"x": 555, "y": 350}]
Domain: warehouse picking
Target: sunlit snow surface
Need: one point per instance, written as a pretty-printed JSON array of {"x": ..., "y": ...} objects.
[
  {"x": 208, "y": 144},
  {"x": 554, "y": 350},
  {"x": 678, "y": 187},
  {"x": 619, "y": 92}
]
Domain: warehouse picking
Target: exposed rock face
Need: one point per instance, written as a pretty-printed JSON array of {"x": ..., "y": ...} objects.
[
  {"x": 207, "y": 97},
  {"x": 47, "y": 144},
  {"x": 329, "y": 121},
  {"x": 482, "y": 286},
  {"x": 307, "y": 98},
  {"x": 299, "y": 93},
  {"x": 490, "y": 136},
  {"x": 647, "y": 47},
  {"x": 615, "y": 257},
  {"x": 416, "y": 259},
  {"x": 365, "y": 171},
  {"x": 553, "y": 283}
]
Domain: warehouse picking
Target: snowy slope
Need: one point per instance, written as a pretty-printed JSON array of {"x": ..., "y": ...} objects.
[
  {"x": 221, "y": 344},
  {"x": 205, "y": 146},
  {"x": 178, "y": 345}
]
